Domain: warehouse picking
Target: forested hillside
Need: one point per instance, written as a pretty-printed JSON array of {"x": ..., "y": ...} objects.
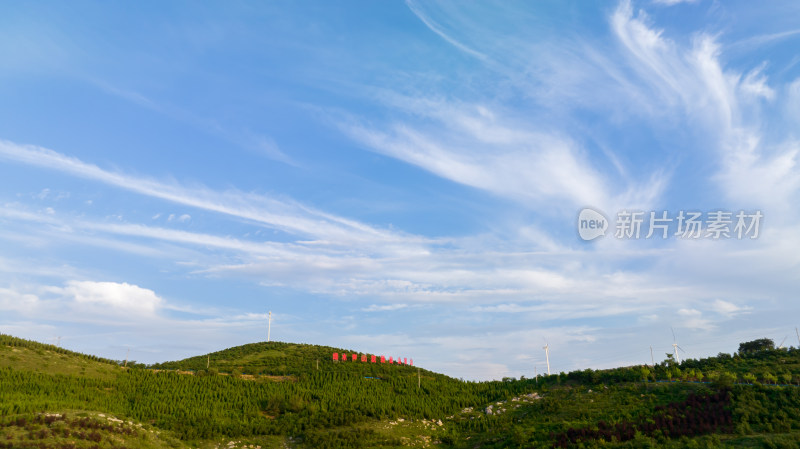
[
  {"x": 282, "y": 394},
  {"x": 279, "y": 358}
]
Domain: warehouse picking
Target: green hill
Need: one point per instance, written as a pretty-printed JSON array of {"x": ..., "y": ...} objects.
[
  {"x": 292, "y": 395},
  {"x": 32, "y": 356},
  {"x": 279, "y": 359}
]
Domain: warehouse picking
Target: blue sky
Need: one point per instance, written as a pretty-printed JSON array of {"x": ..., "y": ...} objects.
[{"x": 398, "y": 178}]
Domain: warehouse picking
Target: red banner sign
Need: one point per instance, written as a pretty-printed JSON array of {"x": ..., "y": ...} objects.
[{"x": 372, "y": 359}]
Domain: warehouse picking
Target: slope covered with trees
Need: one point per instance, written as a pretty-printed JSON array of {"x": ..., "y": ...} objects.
[{"x": 295, "y": 395}]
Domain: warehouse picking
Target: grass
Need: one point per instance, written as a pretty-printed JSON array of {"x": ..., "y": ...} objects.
[{"x": 51, "y": 362}]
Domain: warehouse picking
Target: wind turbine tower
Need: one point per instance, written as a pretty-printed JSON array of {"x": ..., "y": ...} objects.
[
  {"x": 547, "y": 356},
  {"x": 269, "y": 325},
  {"x": 675, "y": 346}
]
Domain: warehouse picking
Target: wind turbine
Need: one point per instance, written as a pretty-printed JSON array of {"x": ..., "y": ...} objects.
[
  {"x": 547, "y": 356},
  {"x": 675, "y": 346},
  {"x": 269, "y": 325}
]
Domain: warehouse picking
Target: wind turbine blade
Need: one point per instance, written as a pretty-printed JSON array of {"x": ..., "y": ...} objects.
[
  {"x": 673, "y": 334},
  {"x": 681, "y": 349}
]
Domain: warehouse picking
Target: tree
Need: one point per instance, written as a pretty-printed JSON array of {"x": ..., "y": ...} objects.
[
  {"x": 752, "y": 347},
  {"x": 727, "y": 379},
  {"x": 769, "y": 377}
]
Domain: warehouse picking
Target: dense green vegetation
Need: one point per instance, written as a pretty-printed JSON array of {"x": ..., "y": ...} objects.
[
  {"x": 295, "y": 395},
  {"x": 207, "y": 405},
  {"x": 280, "y": 359},
  {"x": 77, "y": 431}
]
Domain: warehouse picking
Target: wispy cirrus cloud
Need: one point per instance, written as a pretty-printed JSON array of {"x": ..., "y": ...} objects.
[
  {"x": 472, "y": 145},
  {"x": 285, "y": 215},
  {"x": 683, "y": 83},
  {"x": 463, "y": 273},
  {"x": 441, "y": 32},
  {"x": 728, "y": 103},
  {"x": 251, "y": 141}
]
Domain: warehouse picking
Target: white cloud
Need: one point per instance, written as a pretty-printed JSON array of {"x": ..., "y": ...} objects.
[
  {"x": 384, "y": 308},
  {"x": 269, "y": 148},
  {"x": 14, "y": 300},
  {"x": 648, "y": 318},
  {"x": 693, "y": 319},
  {"x": 43, "y": 194},
  {"x": 727, "y": 309},
  {"x": 755, "y": 84},
  {"x": 689, "y": 312},
  {"x": 673, "y": 2},
  {"x": 114, "y": 297},
  {"x": 183, "y": 218}
]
